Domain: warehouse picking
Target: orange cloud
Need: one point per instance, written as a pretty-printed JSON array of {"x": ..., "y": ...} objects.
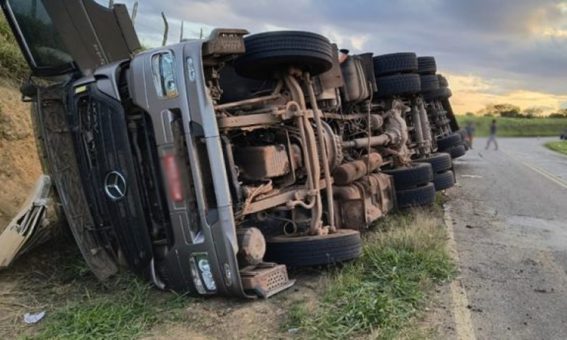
[{"x": 471, "y": 94}]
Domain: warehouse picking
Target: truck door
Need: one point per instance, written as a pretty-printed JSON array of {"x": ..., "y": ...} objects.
[{"x": 63, "y": 36}]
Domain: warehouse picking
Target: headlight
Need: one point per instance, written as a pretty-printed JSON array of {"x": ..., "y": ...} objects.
[
  {"x": 206, "y": 274},
  {"x": 196, "y": 277},
  {"x": 163, "y": 70}
]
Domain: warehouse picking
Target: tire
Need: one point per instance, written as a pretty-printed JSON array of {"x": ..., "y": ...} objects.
[
  {"x": 440, "y": 93},
  {"x": 440, "y": 162},
  {"x": 457, "y": 151},
  {"x": 410, "y": 177},
  {"x": 442, "y": 81},
  {"x": 398, "y": 85},
  {"x": 269, "y": 52},
  {"x": 304, "y": 251},
  {"x": 429, "y": 83},
  {"x": 444, "y": 180},
  {"x": 445, "y": 143},
  {"x": 426, "y": 65},
  {"x": 420, "y": 196},
  {"x": 388, "y": 64}
]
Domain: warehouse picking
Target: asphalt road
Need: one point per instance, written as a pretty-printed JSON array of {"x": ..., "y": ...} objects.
[{"x": 509, "y": 215}]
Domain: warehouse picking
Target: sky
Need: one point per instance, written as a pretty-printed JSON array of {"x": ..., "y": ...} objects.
[{"x": 491, "y": 51}]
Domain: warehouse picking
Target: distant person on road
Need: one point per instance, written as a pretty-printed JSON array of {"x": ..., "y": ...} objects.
[
  {"x": 469, "y": 133},
  {"x": 492, "y": 136}
]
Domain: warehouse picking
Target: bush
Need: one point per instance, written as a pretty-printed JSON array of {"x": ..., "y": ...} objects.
[
  {"x": 12, "y": 63},
  {"x": 517, "y": 127}
]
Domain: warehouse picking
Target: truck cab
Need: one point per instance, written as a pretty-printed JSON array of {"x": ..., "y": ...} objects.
[{"x": 125, "y": 158}]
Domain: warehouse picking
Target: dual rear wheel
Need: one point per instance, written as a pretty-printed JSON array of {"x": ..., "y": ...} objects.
[
  {"x": 414, "y": 185},
  {"x": 452, "y": 144}
]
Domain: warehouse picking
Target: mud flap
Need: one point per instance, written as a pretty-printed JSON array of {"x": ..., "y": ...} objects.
[{"x": 25, "y": 230}]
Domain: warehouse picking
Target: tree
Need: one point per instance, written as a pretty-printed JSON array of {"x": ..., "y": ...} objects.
[
  {"x": 502, "y": 110},
  {"x": 562, "y": 113},
  {"x": 507, "y": 110},
  {"x": 534, "y": 111}
]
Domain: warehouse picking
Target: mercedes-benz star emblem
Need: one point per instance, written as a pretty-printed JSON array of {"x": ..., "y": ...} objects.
[{"x": 115, "y": 185}]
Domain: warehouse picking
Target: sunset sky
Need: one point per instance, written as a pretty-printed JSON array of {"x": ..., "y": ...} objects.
[{"x": 492, "y": 51}]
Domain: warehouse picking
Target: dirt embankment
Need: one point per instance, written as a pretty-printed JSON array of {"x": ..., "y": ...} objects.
[{"x": 19, "y": 162}]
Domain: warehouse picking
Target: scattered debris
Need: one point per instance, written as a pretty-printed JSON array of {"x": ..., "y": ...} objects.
[
  {"x": 471, "y": 176},
  {"x": 25, "y": 229},
  {"x": 474, "y": 309},
  {"x": 33, "y": 318}
]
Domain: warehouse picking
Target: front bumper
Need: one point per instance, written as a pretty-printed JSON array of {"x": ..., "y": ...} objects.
[{"x": 202, "y": 221}]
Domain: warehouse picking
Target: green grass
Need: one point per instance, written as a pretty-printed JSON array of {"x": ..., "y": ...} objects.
[
  {"x": 125, "y": 310},
  {"x": 77, "y": 305},
  {"x": 386, "y": 288},
  {"x": 559, "y": 146},
  {"x": 517, "y": 127}
]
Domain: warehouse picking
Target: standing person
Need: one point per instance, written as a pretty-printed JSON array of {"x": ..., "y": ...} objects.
[
  {"x": 469, "y": 131},
  {"x": 492, "y": 136}
]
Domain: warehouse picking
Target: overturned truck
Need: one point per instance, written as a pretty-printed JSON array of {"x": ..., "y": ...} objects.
[{"x": 209, "y": 166}]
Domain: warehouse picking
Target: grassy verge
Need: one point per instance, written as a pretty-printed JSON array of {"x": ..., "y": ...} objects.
[
  {"x": 381, "y": 295},
  {"x": 517, "y": 127},
  {"x": 126, "y": 310},
  {"x": 77, "y": 305},
  {"x": 382, "y": 292},
  {"x": 559, "y": 146}
]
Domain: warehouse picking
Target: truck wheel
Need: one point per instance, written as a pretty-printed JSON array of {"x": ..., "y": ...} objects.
[
  {"x": 303, "y": 251},
  {"x": 429, "y": 82},
  {"x": 420, "y": 196},
  {"x": 440, "y": 93},
  {"x": 393, "y": 63},
  {"x": 445, "y": 143},
  {"x": 426, "y": 65},
  {"x": 457, "y": 151},
  {"x": 442, "y": 81},
  {"x": 410, "y": 177},
  {"x": 398, "y": 85},
  {"x": 444, "y": 180},
  {"x": 440, "y": 162},
  {"x": 270, "y": 52}
]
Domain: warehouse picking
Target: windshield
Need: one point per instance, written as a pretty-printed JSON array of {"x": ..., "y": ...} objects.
[{"x": 42, "y": 41}]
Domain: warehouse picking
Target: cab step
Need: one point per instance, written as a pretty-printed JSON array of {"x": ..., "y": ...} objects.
[{"x": 266, "y": 279}]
